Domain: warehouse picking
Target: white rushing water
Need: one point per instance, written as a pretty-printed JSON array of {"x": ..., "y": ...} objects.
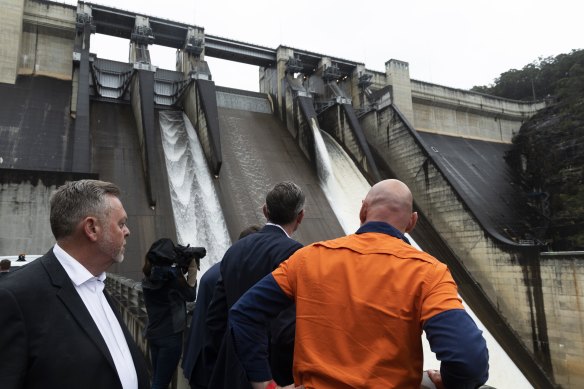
[
  {"x": 197, "y": 213},
  {"x": 345, "y": 187}
]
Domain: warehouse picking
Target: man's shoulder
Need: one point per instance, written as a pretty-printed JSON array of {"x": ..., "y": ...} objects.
[
  {"x": 270, "y": 234},
  {"x": 285, "y": 243},
  {"x": 375, "y": 243},
  {"x": 30, "y": 276}
]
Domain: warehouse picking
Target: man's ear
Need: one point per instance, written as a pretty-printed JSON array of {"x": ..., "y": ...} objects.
[
  {"x": 363, "y": 212},
  {"x": 265, "y": 211},
  {"x": 413, "y": 220},
  {"x": 300, "y": 217},
  {"x": 90, "y": 228}
]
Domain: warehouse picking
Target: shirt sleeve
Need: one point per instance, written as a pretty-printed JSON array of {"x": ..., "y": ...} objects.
[
  {"x": 459, "y": 344},
  {"x": 440, "y": 293},
  {"x": 285, "y": 274},
  {"x": 248, "y": 321}
]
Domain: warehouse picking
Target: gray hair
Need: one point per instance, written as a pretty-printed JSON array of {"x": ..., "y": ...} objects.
[
  {"x": 284, "y": 202},
  {"x": 77, "y": 200}
]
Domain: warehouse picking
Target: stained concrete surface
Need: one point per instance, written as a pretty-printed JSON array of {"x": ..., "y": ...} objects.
[
  {"x": 116, "y": 157},
  {"x": 258, "y": 152}
]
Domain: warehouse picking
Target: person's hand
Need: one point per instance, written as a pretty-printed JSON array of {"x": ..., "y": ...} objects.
[
  {"x": 436, "y": 378},
  {"x": 266, "y": 384},
  {"x": 192, "y": 273}
]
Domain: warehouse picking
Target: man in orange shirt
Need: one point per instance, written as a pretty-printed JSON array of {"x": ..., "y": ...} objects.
[{"x": 362, "y": 302}]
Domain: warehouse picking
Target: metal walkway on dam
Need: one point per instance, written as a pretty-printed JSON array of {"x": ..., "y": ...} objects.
[{"x": 90, "y": 117}]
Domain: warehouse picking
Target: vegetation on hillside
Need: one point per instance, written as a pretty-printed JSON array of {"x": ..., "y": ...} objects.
[{"x": 548, "y": 152}]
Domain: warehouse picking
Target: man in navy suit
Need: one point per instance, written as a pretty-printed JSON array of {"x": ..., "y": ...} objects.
[
  {"x": 245, "y": 263},
  {"x": 192, "y": 361},
  {"x": 60, "y": 328}
]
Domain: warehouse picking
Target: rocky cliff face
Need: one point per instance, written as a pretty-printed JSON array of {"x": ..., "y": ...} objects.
[{"x": 548, "y": 158}]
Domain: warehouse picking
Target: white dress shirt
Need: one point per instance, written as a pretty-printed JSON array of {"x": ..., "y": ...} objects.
[
  {"x": 279, "y": 226},
  {"x": 90, "y": 289}
]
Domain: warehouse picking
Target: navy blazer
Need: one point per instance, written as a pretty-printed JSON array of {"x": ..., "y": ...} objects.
[
  {"x": 246, "y": 262},
  {"x": 192, "y": 361},
  {"x": 49, "y": 339}
]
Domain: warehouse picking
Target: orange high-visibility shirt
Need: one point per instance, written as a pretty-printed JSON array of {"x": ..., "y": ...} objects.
[{"x": 361, "y": 303}]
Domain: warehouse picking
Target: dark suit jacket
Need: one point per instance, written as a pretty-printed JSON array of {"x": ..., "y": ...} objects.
[
  {"x": 48, "y": 338},
  {"x": 192, "y": 362},
  {"x": 244, "y": 264}
]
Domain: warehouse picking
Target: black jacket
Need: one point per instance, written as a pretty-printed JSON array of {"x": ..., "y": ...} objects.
[
  {"x": 166, "y": 305},
  {"x": 49, "y": 339},
  {"x": 192, "y": 361}
]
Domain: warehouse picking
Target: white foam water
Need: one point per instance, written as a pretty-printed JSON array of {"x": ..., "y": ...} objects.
[{"x": 198, "y": 216}]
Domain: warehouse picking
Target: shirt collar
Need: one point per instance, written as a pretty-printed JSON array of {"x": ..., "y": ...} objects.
[
  {"x": 75, "y": 270},
  {"x": 383, "y": 228},
  {"x": 279, "y": 226}
]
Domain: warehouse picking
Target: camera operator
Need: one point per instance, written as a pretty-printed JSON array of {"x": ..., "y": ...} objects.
[{"x": 170, "y": 281}]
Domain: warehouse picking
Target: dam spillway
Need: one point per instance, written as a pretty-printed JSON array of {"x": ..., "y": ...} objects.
[{"x": 52, "y": 129}]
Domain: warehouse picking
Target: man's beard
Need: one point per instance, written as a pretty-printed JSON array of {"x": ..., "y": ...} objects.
[{"x": 107, "y": 246}]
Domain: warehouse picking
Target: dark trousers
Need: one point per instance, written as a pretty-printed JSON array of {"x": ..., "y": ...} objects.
[{"x": 165, "y": 353}]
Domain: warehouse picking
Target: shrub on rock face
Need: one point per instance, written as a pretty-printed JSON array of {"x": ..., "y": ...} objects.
[
  {"x": 548, "y": 158},
  {"x": 548, "y": 152}
]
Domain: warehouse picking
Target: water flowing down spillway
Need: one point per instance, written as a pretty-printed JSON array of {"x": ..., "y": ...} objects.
[
  {"x": 345, "y": 187},
  {"x": 197, "y": 213}
]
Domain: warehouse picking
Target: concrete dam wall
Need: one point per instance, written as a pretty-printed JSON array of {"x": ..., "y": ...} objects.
[{"x": 446, "y": 144}]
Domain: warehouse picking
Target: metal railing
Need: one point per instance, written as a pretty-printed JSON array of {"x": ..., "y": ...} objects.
[{"x": 127, "y": 293}]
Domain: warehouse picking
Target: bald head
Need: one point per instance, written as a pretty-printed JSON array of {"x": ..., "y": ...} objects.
[{"x": 390, "y": 201}]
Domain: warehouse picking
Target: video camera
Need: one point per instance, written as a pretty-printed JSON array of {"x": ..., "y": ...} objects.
[{"x": 168, "y": 259}]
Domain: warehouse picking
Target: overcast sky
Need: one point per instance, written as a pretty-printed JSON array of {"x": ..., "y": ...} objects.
[{"x": 456, "y": 43}]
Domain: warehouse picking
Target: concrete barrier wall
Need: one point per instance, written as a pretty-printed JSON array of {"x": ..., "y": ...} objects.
[
  {"x": 25, "y": 228},
  {"x": 48, "y": 35},
  {"x": 453, "y": 96},
  {"x": 562, "y": 277},
  {"x": 25, "y": 209},
  {"x": 461, "y": 123},
  {"x": 245, "y": 103},
  {"x": 10, "y": 39},
  {"x": 457, "y": 112}
]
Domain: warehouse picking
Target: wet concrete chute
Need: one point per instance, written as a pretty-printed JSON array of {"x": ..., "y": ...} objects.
[{"x": 197, "y": 213}]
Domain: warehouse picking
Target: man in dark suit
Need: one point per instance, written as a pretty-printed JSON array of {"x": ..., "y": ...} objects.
[
  {"x": 192, "y": 361},
  {"x": 60, "y": 328},
  {"x": 245, "y": 263}
]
